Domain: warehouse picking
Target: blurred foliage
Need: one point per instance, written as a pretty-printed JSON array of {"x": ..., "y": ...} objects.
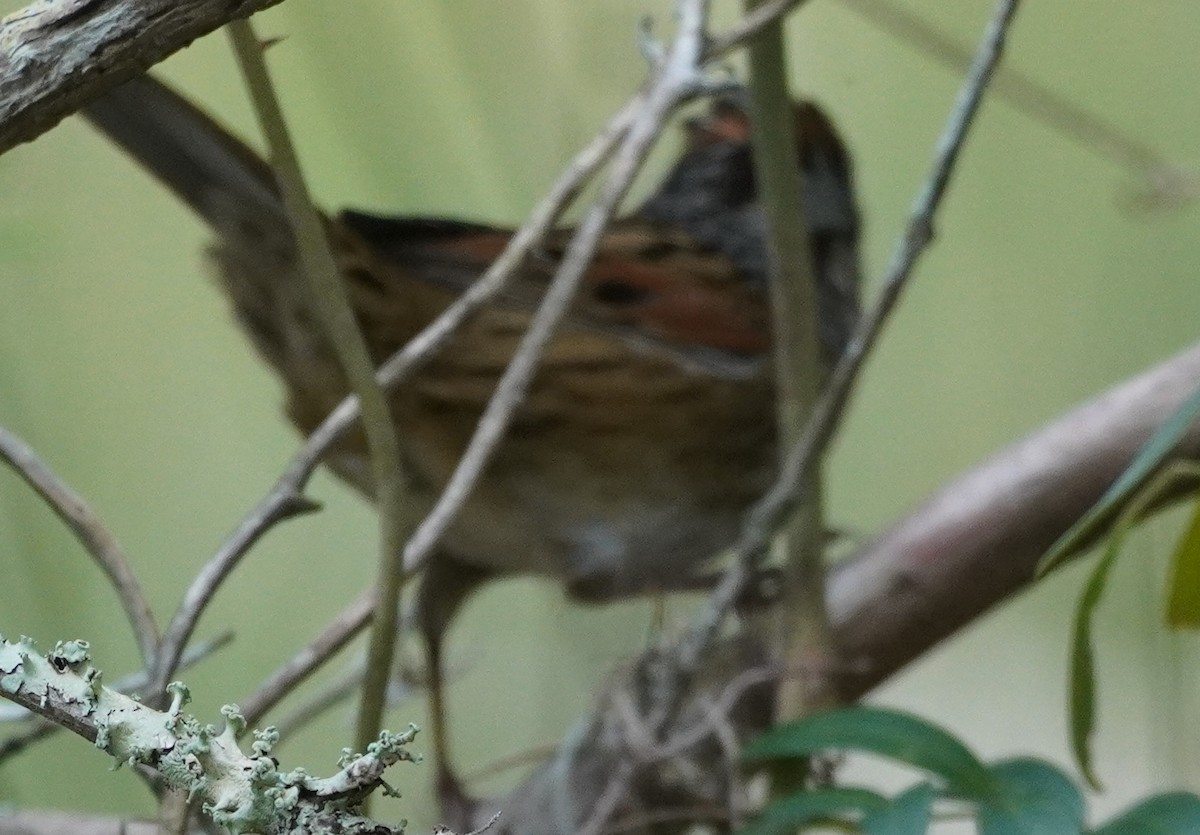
[{"x": 1019, "y": 796}]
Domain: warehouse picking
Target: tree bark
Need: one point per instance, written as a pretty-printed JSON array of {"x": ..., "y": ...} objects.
[{"x": 54, "y": 56}]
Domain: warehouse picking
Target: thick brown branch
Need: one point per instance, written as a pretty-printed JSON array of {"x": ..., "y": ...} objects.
[
  {"x": 977, "y": 541},
  {"x": 54, "y": 56}
]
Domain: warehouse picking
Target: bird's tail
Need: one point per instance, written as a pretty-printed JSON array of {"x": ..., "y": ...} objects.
[{"x": 219, "y": 176}]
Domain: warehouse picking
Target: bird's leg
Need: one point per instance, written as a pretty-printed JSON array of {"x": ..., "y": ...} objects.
[{"x": 446, "y": 585}]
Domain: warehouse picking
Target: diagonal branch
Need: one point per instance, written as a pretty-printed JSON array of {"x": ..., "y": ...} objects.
[
  {"x": 677, "y": 80},
  {"x": 332, "y": 301},
  {"x": 54, "y": 56},
  {"x": 979, "y": 539}
]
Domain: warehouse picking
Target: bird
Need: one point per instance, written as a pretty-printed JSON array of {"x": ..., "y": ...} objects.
[{"x": 649, "y": 428}]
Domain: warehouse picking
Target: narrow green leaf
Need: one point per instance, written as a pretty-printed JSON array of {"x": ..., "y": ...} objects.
[
  {"x": 1183, "y": 582},
  {"x": 1083, "y": 666},
  {"x": 793, "y": 812},
  {"x": 1174, "y": 813},
  {"x": 1034, "y": 798},
  {"x": 1148, "y": 459},
  {"x": 909, "y": 813},
  {"x": 889, "y": 733}
]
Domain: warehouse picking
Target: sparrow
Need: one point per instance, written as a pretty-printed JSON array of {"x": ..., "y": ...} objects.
[{"x": 650, "y": 426}]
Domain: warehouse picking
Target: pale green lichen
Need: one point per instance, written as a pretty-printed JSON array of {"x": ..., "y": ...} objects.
[
  {"x": 180, "y": 696},
  {"x": 11, "y": 667},
  {"x": 244, "y": 793},
  {"x": 70, "y": 653},
  {"x": 265, "y": 740}
]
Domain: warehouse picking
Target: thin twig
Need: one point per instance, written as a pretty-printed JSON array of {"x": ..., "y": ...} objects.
[
  {"x": 802, "y": 459},
  {"x": 716, "y": 713},
  {"x": 610, "y": 799},
  {"x": 92, "y": 534},
  {"x": 677, "y": 80},
  {"x": 313, "y": 706},
  {"x": 332, "y": 302}
]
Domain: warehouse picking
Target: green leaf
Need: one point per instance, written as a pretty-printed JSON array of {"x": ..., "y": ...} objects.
[
  {"x": 909, "y": 814},
  {"x": 1083, "y": 666},
  {"x": 1174, "y": 813},
  {"x": 1183, "y": 583},
  {"x": 1033, "y": 798},
  {"x": 791, "y": 813},
  {"x": 1148, "y": 459},
  {"x": 889, "y": 733}
]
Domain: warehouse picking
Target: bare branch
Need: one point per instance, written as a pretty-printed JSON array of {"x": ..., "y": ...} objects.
[
  {"x": 979, "y": 539},
  {"x": 95, "y": 538},
  {"x": 331, "y": 299},
  {"x": 802, "y": 625},
  {"x": 609, "y": 800},
  {"x": 57, "y": 55}
]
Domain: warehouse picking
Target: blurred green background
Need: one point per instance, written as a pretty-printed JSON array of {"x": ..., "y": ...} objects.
[{"x": 119, "y": 364}]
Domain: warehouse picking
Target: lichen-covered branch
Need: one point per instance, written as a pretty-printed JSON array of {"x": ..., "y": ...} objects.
[
  {"x": 35, "y": 729},
  {"x": 241, "y": 792}
]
